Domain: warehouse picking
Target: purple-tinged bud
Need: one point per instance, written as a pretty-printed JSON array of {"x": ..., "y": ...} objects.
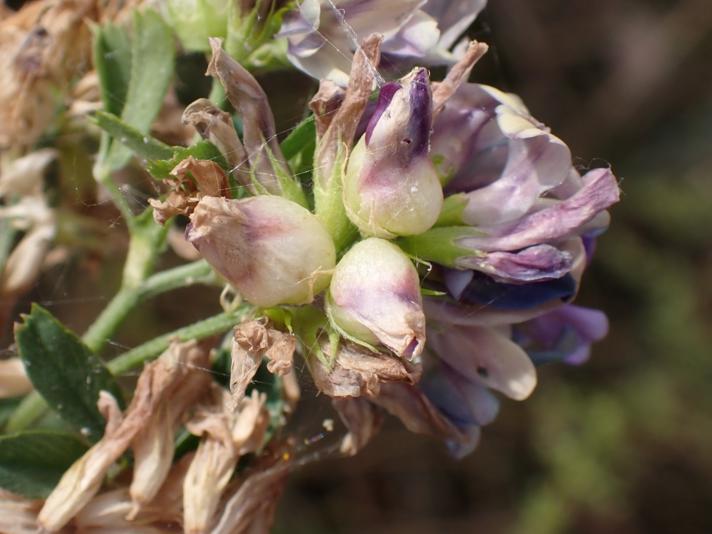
[
  {"x": 272, "y": 250},
  {"x": 391, "y": 187},
  {"x": 374, "y": 297}
]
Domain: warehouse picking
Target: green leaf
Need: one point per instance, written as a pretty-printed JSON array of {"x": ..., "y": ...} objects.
[
  {"x": 301, "y": 138},
  {"x": 64, "y": 371},
  {"x": 112, "y": 59},
  {"x": 161, "y": 168},
  {"x": 152, "y": 53},
  {"x": 31, "y": 463},
  {"x": 142, "y": 145}
]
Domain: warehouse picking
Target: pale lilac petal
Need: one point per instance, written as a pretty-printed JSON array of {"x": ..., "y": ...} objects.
[
  {"x": 419, "y": 35},
  {"x": 464, "y": 402},
  {"x": 505, "y": 160},
  {"x": 558, "y": 221},
  {"x": 487, "y": 357},
  {"x": 534, "y": 165},
  {"x": 492, "y": 312},
  {"x": 533, "y": 264},
  {"x": 454, "y": 17},
  {"x": 457, "y": 281}
]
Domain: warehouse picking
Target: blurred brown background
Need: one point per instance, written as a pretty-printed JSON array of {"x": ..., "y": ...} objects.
[{"x": 623, "y": 444}]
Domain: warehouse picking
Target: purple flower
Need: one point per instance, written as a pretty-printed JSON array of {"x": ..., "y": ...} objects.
[
  {"x": 564, "y": 334},
  {"x": 466, "y": 404},
  {"x": 514, "y": 201},
  {"x": 324, "y": 34}
]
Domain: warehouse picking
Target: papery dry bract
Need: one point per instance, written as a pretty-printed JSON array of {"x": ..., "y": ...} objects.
[
  {"x": 26, "y": 210},
  {"x": 252, "y": 506},
  {"x": 268, "y": 168},
  {"x": 191, "y": 180},
  {"x": 215, "y": 125},
  {"x": 227, "y": 434},
  {"x": 374, "y": 297},
  {"x": 18, "y": 515},
  {"x": 409, "y": 404},
  {"x": 354, "y": 371},
  {"x": 83, "y": 479},
  {"x": 362, "y": 419},
  {"x": 184, "y": 364},
  {"x": 46, "y": 45},
  {"x": 253, "y": 340}
]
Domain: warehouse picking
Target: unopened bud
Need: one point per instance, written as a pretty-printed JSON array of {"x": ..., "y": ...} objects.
[
  {"x": 391, "y": 187},
  {"x": 272, "y": 250},
  {"x": 374, "y": 298}
]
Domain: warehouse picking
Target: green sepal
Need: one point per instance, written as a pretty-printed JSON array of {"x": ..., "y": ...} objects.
[
  {"x": 32, "y": 462},
  {"x": 161, "y": 168},
  {"x": 453, "y": 208},
  {"x": 341, "y": 332},
  {"x": 439, "y": 245},
  {"x": 64, "y": 371},
  {"x": 207, "y": 18},
  {"x": 329, "y": 205},
  {"x": 250, "y": 36},
  {"x": 298, "y": 149},
  {"x": 290, "y": 188}
]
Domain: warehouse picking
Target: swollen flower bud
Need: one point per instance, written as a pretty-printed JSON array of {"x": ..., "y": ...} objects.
[
  {"x": 391, "y": 187},
  {"x": 272, "y": 250},
  {"x": 374, "y": 298}
]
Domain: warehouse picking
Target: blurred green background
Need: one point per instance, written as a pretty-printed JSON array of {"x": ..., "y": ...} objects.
[{"x": 624, "y": 443}]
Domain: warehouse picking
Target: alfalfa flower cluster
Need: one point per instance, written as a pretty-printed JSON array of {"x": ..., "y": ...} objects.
[{"x": 422, "y": 263}]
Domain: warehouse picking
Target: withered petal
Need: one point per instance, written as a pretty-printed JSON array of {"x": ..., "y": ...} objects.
[{"x": 362, "y": 419}]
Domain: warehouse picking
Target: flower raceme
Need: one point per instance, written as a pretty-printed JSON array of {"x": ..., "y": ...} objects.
[{"x": 452, "y": 176}]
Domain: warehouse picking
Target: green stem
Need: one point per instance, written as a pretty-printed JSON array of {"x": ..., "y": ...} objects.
[
  {"x": 117, "y": 196},
  {"x": 216, "y": 324},
  {"x": 198, "y": 272},
  {"x": 110, "y": 318},
  {"x": 34, "y": 406}
]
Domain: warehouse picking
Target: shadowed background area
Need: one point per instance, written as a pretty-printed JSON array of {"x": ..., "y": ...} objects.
[{"x": 621, "y": 444}]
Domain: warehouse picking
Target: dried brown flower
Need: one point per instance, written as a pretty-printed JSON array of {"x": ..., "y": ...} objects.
[
  {"x": 227, "y": 434},
  {"x": 357, "y": 371},
  {"x": 254, "y": 340}
]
